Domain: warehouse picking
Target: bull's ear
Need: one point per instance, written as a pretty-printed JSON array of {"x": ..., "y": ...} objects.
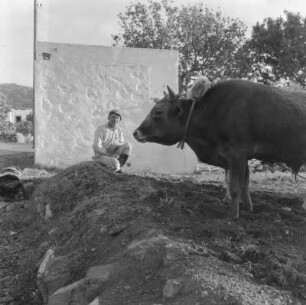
[
  {"x": 171, "y": 92},
  {"x": 177, "y": 111}
]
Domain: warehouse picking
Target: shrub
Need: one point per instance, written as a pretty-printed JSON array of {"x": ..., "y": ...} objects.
[
  {"x": 24, "y": 127},
  {"x": 7, "y": 132}
]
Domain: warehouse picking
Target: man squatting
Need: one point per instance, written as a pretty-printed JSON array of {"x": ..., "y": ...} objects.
[{"x": 109, "y": 145}]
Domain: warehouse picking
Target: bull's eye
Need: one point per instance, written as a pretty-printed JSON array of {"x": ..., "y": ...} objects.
[{"x": 158, "y": 113}]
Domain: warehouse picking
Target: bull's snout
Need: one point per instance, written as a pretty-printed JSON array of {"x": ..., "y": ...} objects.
[
  {"x": 139, "y": 136},
  {"x": 135, "y": 134}
]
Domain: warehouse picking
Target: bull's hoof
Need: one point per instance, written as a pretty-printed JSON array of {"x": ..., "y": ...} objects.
[
  {"x": 247, "y": 206},
  {"x": 226, "y": 200},
  {"x": 230, "y": 217},
  {"x": 234, "y": 215}
]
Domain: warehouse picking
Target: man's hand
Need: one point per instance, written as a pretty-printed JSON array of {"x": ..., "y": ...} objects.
[
  {"x": 116, "y": 156},
  {"x": 104, "y": 154}
]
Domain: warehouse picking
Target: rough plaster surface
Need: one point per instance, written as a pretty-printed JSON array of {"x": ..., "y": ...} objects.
[{"x": 77, "y": 86}]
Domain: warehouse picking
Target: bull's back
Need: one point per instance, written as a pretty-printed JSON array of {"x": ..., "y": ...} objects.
[{"x": 269, "y": 122}]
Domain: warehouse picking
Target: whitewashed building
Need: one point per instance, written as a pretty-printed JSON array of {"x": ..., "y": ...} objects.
[
  {"x": 15, "y": 115},
  {"x": 77, "y": 85}
]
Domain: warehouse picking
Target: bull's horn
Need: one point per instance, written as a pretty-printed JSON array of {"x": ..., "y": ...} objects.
[
  {"x": 171, "y": 92},
  {"x": 165, "y": 93}
]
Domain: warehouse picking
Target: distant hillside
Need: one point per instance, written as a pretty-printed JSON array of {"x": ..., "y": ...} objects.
[{"x": 17, "y": 96}]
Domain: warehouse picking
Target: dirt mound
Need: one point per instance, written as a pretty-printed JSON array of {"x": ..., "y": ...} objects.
[{"x": 130, "y": 239}]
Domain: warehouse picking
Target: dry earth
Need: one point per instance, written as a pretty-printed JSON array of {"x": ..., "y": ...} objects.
[{"x": 152, "y": 239}]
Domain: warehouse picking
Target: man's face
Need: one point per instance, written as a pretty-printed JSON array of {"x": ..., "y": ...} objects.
[{"x": 113, "y": 119}]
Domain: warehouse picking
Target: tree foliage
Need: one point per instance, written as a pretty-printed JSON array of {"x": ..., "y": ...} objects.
[
  {"x": 29, "y": 117},
  {"x": 6, "y": 128},
  {"x": 216, "y": 46},
  {"x": 4, "y": 109},
  {"x": 278, "y": 45},
  {"x": 207, "y": 42}
]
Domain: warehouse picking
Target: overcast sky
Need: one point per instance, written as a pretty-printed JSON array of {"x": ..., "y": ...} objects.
[{"x": 92, "y": 22}]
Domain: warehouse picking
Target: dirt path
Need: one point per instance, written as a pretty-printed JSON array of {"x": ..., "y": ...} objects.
[{"x": 7, "y": 148}]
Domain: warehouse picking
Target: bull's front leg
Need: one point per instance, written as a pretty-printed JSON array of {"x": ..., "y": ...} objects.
[
  {"x": 237, "y": 167},
  {"x": 245, "y": 195}
]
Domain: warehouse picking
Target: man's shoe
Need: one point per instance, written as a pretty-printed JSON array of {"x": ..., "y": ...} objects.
[
  {"x": 119, "y": 171},
  {"x": 122, "y": 159}
]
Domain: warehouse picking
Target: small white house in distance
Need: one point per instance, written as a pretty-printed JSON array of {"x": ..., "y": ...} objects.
[{"x": 15, "y": 116}]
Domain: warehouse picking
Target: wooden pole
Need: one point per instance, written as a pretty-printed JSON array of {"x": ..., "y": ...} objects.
[{"x": 34, "y": 60}]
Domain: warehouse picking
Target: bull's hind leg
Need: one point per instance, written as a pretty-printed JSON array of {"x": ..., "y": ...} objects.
[
  {"x": 238, "y": 167},
  {"x": 227, "y": 197},
  {"x": 246, "y": 198}
]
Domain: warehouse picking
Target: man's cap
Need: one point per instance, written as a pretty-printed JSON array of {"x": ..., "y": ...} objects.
[{"x": 116, "y": 112}]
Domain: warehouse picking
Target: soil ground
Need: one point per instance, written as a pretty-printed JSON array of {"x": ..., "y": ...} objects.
[
  {"x": 16, "y": 154},
  {"x": 12, "y": 148},
  {"x": 169, "y": 233}
]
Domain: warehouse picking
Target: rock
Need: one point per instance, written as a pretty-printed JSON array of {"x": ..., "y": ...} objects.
[
  {"x": 53, "y": 233},
  {"x": 87, "y": 287},
  {"x": 11, "y": 207},
  {"x": 278, "y": 278},
  {"x": 67, "y": 295},
  {"x": 103, "y": 229},
  {"x": 101, "y": 273},
  {"x": 204, "y": 294},
  {"x": 3, "y": 204},
  {"x": 48, "y": 212},
  {"x": 6, "y": 282},
  {"x": 200, "y": 250},
  {"x": 291, "y": 275},
  {"x": 259, "y": 167},
  {"x": 287, "y": 209},
  {"x": 95, "y": 302},
  {"x": 29, "y": 187},
  {"x": 28, "y": 138},
  {"x": 172, "y": 288},
  {"x": 117, "y": 229},
  {"x": 231, "y": 257},
  {"x": 20, "y": 138},
  {"x": 173, "y": 255},
  {"x": 42, "y": 274},
  {"x": 304, "y": 204},
  {"x": 53, "y": 273},
  {"x": 26, "y": 205}
]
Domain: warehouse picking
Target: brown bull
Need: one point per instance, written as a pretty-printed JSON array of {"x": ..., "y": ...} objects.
[{"x": 233, "y": 122}]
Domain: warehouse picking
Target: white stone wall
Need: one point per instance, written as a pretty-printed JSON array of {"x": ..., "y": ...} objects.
[{"x": 77, "y": 86}]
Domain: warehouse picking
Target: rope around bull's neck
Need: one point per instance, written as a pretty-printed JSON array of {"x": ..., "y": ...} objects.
[{"x": 181, "y": 143}]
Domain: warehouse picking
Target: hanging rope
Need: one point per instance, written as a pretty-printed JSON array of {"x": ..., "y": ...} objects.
[{"x": 181, "y": 143}]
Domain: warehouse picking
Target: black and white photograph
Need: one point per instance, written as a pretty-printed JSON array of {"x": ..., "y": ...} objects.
[{"x": 153, "y": 152}]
